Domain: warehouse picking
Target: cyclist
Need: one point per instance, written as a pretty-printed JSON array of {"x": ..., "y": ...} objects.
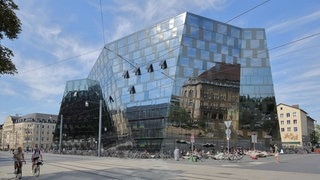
[
  {"x": 18, "y": 157},
  {"x": 36, "y": 155}
]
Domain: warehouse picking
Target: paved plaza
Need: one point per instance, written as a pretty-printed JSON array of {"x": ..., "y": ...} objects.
[{"x": 295, "y": 166}]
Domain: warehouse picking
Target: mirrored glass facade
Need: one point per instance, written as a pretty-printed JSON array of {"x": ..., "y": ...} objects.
[
  {"x": 188, "y": 75},
  {"x": 79, "y": 113}
]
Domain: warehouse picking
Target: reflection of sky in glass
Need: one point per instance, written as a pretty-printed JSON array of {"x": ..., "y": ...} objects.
[{"x": 189, "y": 50}]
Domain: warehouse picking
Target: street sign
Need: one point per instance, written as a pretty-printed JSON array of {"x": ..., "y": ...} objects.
[
  {"x": 228, "y": 132},
  {"x": 254, "y": 138},
  {"x": 227, "y": 123}
]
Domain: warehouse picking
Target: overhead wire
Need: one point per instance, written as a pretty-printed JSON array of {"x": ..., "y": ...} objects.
[
  {"x": 134, "y": 65},
  {"x": 103, "y": 34},
  {"x": 102, "y": 24},
  {"x": 247, "y": 11}
]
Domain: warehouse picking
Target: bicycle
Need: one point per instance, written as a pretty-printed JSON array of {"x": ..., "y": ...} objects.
[
  {"x": 36, "y": 168},
  {"x": 18, "y": 165}
]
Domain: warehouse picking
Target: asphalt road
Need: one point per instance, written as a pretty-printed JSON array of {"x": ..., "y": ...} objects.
[{"x": 293, "y": 166}]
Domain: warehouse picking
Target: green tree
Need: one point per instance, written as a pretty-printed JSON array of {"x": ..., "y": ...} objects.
[
  {"x": 10, "y": 27},
  {"x": 315, "y": 135},
  {"x": 179, "y": 116}
]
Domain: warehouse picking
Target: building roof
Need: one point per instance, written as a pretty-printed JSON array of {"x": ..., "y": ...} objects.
[
  {"x": 222, "y": 71},
  {"x": 293, "y": 106}
]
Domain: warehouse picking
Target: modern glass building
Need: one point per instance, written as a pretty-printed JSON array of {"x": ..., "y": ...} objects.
[{"x": 186, "y": 76}]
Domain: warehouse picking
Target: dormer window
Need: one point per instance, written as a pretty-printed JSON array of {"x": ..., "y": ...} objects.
[
  {"x": 132, "y": 90},
  {"x": 111, "y": 99},
  {"x": 137, "y": 72},
  {"x": 163, "y": 64},
  {"x": 150, "y": 68},
  {"x": 126, "y": 75}
]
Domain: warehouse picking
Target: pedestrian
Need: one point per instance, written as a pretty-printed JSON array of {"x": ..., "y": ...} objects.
[
  {"x": 176, "y": 154},
  {"x": 276, "y": 153}
]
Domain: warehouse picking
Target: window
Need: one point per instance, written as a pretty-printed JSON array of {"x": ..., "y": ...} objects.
[
  {"x": 163, "y": 64},
  {"x": 295, "y": 129},
  {"x": 288, "y": 129},
  {"x": 137, "y": 72},
  {"x": 126, "y": 75},
  {"x": 111, "y": 99},
  {"x": 295, "y": 121},
  {"x": 132, "y": 90},
  {"x": 150, "y": 68},
  {"x": 288, "y": 121},
  {"x": 294, "y": 114},
  {"x": 282, "y": 129},
  {"x": 282, "y": 122},
  {"x": 281, "y": 115},
  {"x": 288, "y": 114}
]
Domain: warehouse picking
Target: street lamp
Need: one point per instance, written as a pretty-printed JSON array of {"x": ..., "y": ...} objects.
[
  {"x": 60, "y": 136},
  {"x": 100, "y": 119},
  {"x": 228, "y": 132}
]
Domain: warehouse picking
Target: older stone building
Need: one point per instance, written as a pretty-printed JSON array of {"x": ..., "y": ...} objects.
[{"x": 28, "y": 131}]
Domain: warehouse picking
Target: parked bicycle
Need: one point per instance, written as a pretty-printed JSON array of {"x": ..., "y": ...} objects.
[
  {"x": 18, "y": 165},
  {"x": 36, "y": 169}
]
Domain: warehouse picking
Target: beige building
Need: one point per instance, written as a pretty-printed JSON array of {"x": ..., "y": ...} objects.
[
  {"x": 28, "y": 131},
  {"x": 295, "y": 126}
]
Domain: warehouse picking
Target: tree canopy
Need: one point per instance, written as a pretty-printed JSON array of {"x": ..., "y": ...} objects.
[{"x": 10, "y": 27}]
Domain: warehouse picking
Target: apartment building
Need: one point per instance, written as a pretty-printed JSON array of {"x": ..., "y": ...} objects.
[
  {"x": 295, "y": 126},
  {"x": 28, "y": 131}
]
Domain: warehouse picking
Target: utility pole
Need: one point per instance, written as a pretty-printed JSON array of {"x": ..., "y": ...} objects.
[{"x": 60, "y": 137}]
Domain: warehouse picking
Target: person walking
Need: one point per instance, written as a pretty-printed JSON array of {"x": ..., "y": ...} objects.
[{"x": 276, "y": 153}]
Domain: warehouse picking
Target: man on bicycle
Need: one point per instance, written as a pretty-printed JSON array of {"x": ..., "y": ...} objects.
[
  {"x": 36, "y": 155},
  {"x": 18, "y": 157}
]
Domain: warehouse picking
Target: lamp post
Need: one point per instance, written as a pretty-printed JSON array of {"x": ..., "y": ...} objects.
[
  {"x": 60, "y": 137},
  {"x": 100, "y": 118},
  {"x": 100, "y": 121},
  {"x": 228, "y": 133}
]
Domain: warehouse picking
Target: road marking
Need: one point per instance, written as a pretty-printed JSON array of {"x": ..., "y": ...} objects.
[
  {"x": 257, "y": 163},
  {"x": 230, "y": 165}
]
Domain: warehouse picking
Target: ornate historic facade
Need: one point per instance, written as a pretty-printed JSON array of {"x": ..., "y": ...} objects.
[{"x": 28, "y": 131}]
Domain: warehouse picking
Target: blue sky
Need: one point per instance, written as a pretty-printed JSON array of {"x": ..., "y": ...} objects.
[{"x": 61, "y": 40}]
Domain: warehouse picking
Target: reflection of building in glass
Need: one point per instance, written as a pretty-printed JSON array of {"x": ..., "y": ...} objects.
[
  {"x": 143, "y": 77},
  {"x": 213, "y": 97},
  {"x": 80, "y": 114}
]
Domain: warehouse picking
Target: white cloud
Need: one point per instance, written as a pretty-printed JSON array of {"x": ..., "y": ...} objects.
[
  {"x": 6, "y": 89},
  {"x": 50, "y": 56},
  {"x": 294, "y": 22},
  {"x": 134, "y": 15}
]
